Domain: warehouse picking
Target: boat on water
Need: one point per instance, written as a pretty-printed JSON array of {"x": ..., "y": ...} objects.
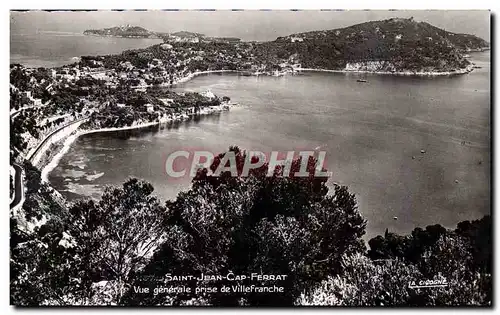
[{"x": 361, "y": 80}]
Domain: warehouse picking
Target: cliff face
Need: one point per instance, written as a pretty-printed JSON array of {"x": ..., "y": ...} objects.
[{"x": 405, "y": 43}]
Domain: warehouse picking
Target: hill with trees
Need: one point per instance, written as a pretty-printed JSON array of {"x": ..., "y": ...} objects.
[
  {"x": 393, "y": 46},
  {"x": 397, "y": 44},
  {"x": 121, "y": 31}
]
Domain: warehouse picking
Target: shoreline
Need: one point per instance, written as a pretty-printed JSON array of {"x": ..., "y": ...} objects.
[
  {"x": 192, "y": 75},
  {"x": 468, "y": 69},
  {"x": 45, "y": 171},
  {"x": 197, "y": 73},
  {"x": 465, "y": 70},
  {"x": 85, "y": 33},
  {"x": 54, "y": 161}
]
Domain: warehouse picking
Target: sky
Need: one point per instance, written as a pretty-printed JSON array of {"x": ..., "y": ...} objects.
[{"x": 247, "y": 25}]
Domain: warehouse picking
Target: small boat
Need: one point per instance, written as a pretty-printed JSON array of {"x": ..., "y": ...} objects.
[{"x": 361, "y": 80}]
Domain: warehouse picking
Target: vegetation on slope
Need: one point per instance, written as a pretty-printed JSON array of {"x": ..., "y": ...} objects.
[
  {"x": 121, "y": 31},
  {"x": 100, "y": 252},
  {"x": 407, "y": 44}
]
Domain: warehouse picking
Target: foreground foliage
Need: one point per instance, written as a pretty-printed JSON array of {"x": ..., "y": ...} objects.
[
  {"x": 461, "y": 257},
  {"x": 100, "y": 252}
]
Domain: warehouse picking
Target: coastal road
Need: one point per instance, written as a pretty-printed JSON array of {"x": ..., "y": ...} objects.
[
  {"x": 14, "y": 113},
  {"x": 18, "y": 186},
  {"x": 40, "y": 145},
  {"x": 18, "y": 177}
]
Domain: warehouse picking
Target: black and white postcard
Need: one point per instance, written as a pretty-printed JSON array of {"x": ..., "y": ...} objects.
[{"x": 242, "y": 158}]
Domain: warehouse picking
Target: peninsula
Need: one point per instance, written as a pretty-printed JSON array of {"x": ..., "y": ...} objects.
[
  {"x": 398, "y": 46},
  {"x": 126, "y": 90},
  {"x": 123, "y": 31}
]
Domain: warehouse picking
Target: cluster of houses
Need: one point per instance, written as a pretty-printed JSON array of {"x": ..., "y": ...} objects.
[
  {"x": 294, "y": 39},
  {"x": 29, "y": 95},
  {"x": 177, "y": 64}
]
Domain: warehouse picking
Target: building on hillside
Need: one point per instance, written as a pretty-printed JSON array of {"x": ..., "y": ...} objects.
[{"x": 149, "y": 108}]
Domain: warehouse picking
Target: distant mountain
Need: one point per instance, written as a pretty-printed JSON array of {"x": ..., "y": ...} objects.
[
  {"x": 389, "y": 45},
  {"x": 187, "y": 34},
  {"x": 122, "y": 31},
  {"x": 393, "y": 46},
  {"x": 137, "y": 31}
]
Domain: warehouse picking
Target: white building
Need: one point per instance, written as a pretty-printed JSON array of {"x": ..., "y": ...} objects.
[
  {"x": 296, "y": 39},
  {"x": 149, "y": 108},
  {"x": 208, "y": 94}
]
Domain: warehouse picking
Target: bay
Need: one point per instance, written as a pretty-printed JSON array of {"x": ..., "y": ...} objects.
[
  {"x": 55, "y": 49},
  {"x": 373, "y": 133}
]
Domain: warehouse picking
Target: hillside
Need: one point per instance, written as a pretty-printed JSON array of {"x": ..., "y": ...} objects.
[
  {"x": 187, "y": 34},
  {"x": 122, "y": 31},
  {"x": 137, "y": 31},
  {"x": 391, "y": 46},
  {"x": 388, "y": 45}
]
